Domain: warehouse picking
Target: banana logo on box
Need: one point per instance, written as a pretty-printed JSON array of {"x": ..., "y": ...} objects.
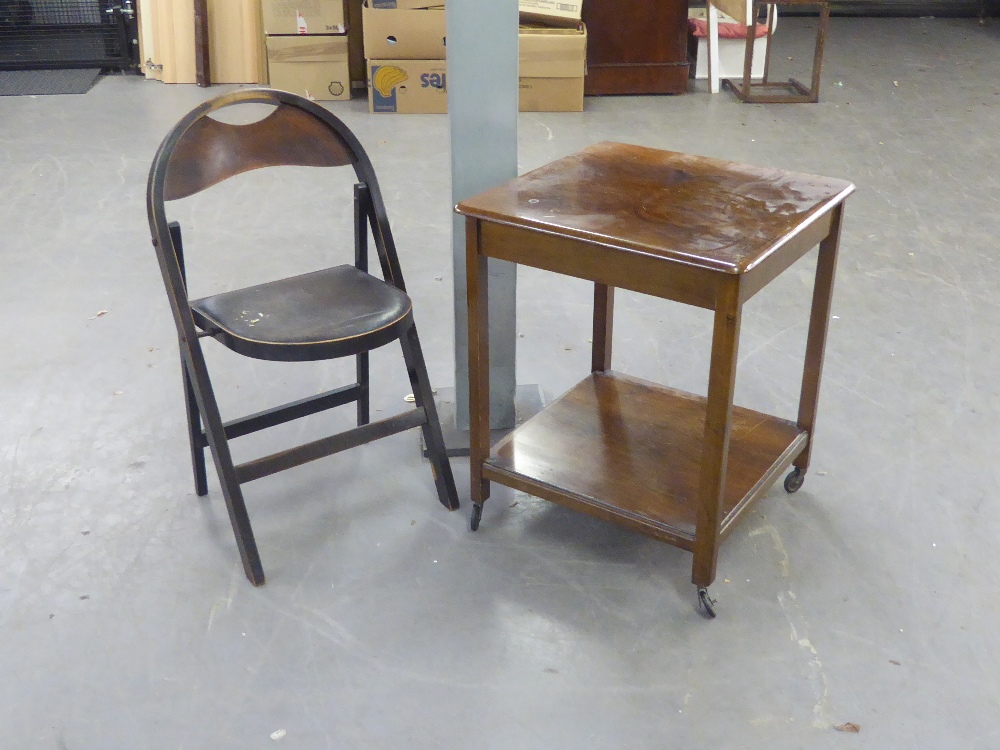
[{"x": 385, "y": 79}]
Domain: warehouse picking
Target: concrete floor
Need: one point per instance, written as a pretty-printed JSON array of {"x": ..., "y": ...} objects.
[{"x": 868, "y": 597}]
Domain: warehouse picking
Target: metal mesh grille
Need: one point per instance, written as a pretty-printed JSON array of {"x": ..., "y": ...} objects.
[{"x": 62, "y": 33}]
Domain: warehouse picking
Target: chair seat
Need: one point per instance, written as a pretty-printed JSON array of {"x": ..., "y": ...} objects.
[{"x": 331, "y": 313}]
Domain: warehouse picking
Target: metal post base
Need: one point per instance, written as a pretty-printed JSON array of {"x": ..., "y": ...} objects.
[{"x": 528, "y": 401}]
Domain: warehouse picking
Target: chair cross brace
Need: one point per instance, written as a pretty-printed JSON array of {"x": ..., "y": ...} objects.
[
  {"x": 267, "y": 465},
  {"x": 287, "y": 412}
]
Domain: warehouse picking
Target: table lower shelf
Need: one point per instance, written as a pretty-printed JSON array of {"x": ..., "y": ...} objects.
[{"x": 629, "y": 451}]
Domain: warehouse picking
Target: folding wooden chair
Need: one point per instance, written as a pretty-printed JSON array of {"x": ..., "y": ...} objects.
[{"x": 335, "y": 312}]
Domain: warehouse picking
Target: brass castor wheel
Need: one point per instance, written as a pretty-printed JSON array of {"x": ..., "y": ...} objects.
[
  {"x": 794, "y": 480},
  {"x": 477, "y": 514},
  {"x": 706, "y": 603}
]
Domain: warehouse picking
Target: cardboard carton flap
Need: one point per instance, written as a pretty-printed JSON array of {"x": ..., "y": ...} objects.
[
  {"x": 295, "y": 49},
  {"x": 303, "y": 16},
  {"x": 403, "y": 34},
  {"x": 561, "y": 12},
  {"x": 543, "y": 54}
]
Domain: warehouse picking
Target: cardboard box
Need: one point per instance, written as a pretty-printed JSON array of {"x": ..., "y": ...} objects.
[
  {"x": 315, "y": 67},
  {"x": 554, "y": 12},
  {"x": 552, "y": 64},
  {"x": 303, "y": 16},
  {"x": 550, "y": 95},
  {"x": 408, "y": 86},
  {"x": 404, "y": 34},
  {"x": 407, "y": 4}
]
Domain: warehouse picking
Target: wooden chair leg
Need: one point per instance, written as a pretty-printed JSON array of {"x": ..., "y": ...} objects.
[
  {"x": 363, "y": 397},
  {"x": 197, "y": 371},
  {"x": 194, "y": 435},
  {"x": 423, "y": 396}
]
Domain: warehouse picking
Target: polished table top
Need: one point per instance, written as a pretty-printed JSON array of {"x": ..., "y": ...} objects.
[{"x": 714, "y": 214}]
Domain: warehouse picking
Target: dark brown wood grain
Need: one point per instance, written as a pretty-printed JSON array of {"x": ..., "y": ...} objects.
[
  {"x": 819, "y": 321},
  {"x": 326, "y": 314},
  {"x": 477, "y": 278},
  {"x": 613, "y": 266},
  {"x": 212, "y": 151},
  {"x": 718, "y": 425},
  {"x": 639, "y": 47},
  {"x": 202, "y": 60},
  {"x": 700, "y": 211},
  {"x": 710, "y": 233},
  {"x": 604, "y": 315},
  {"x": 631, "y": 449}
]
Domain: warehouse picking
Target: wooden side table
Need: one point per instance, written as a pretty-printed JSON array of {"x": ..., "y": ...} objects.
[{"x": 676, "y": 466}]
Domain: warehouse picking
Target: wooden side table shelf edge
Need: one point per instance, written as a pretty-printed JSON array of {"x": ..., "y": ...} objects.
[{"x": 707, "y": 461}]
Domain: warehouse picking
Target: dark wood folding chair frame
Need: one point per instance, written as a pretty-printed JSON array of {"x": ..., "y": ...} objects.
[
  {"x": 200, "y": 152},
  {"x": 780, "y": 92}
]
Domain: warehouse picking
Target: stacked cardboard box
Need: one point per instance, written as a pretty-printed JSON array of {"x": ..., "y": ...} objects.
[
  {"x": 553, "y": 56},
  {"x": 553, "y": 62},
  {"x": 551, "y": 12},
  {"x": 405, "y": 49},
  {"x": 307, "y": 48}
]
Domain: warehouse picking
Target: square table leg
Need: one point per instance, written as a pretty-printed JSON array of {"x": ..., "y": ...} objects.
[
  {"x": 604, "y": 313},
  {"x": 477, "y": 280},
  {"x": 715, "y": 453},
  {"x": 819, "y": 321}
]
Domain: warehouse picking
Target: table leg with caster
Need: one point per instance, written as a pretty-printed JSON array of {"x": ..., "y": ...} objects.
[
  {"x": 794, "y": 480},
  {"x": 715, "y": 452},
  {"x": 477, "y": 278},
  {"x": 706, "y": 603},
  {"x": 819, "y": 319}
]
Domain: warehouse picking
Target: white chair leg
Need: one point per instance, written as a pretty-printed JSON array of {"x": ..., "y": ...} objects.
[{"x": 713, "y": 48}]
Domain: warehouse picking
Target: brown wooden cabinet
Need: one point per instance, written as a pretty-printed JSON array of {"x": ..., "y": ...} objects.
[{"x": 636, "y": 47}]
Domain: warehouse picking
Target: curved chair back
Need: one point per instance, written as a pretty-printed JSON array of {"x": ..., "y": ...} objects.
[
  {"x": 200, "y": 152},
  {"x": 325, "y": 314}
]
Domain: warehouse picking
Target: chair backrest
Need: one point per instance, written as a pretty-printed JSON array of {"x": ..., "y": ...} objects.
[{"x": 200, "y": 152}]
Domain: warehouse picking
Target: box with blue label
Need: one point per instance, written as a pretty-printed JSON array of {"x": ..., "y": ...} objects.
[{"x": 408, "y": 86}]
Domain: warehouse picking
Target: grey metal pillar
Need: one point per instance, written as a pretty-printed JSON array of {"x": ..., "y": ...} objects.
[{"x": 482, "y": 106}]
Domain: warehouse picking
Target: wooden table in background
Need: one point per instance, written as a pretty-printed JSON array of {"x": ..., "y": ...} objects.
[{"x": 678, "y": 467}]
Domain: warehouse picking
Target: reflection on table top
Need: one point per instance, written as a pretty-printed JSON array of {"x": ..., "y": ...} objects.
[{"x": 715, "y": 214}]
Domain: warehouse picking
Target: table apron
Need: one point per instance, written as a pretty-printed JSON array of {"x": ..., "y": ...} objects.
[
  {"x": 774, "y": 264},
  {"x": 604, "y": 264}
]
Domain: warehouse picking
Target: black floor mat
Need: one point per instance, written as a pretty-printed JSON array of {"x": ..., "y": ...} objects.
[{"x": 41, "y": 82}]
